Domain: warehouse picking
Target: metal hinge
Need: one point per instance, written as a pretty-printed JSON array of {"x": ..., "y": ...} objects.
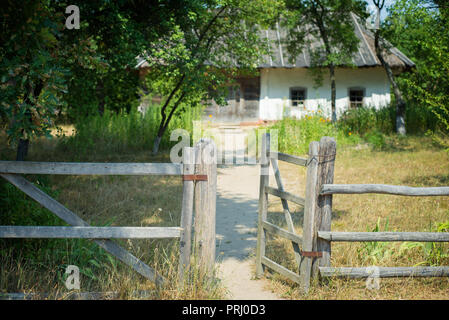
[
  {"x": 194, "y": 177},
  {"x": 312, "y": 254}
]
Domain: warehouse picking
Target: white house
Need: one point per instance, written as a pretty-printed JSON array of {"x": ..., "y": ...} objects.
[{"x": 282, "y": 89}]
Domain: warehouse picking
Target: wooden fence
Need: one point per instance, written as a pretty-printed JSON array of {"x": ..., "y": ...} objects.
[
  {"x": 198, "y": 172},
  {"x": 314, "y": 258}
]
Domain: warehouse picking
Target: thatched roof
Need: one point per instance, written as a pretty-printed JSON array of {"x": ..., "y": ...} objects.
[{"x": 364, "y": 57}]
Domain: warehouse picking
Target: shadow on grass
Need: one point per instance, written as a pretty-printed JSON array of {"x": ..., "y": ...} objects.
[{"x": 440, "y": 180}]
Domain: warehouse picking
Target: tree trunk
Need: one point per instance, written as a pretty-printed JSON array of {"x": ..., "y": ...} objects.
[
  {"x": 22, "y": 149},
  {"x": 157, "y": 142},
  {"x": 100, "y": 96},
  {"x": 164, "y": 124},
  {"x": 333, "y": 92},
  {"x": 400, "y": 103}
]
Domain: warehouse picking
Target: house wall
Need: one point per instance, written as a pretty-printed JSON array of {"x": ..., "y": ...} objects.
[
  {"x": 242, "y": 103},
  {"x": 275, "y": 84}
]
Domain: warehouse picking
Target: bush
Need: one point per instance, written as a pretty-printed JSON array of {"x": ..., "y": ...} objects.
[
  {"x": 418, "y": 120},
  {"x": 295, "y": 135}
]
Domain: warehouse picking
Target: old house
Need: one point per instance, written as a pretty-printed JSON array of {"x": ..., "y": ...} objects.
[{"x": 282, "y": 89}]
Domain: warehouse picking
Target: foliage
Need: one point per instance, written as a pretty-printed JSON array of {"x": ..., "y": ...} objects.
[
  {"x": 368, "y": 120},
  {"x": 421, "y": 31},
  {"x": 295, "y": 135},
  {"x": 194, "y": 61},
  {"x": 45, "y": 67},
  {"x": 123, "y": 132},
  {"x": 435, "y": 253},
  {"x": 32, "y": 77},
  {"x": 329, "y": 22},
  {"x": 374, "y": 251}
]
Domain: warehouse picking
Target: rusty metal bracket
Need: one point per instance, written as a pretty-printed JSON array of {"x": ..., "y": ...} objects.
[
  {"x": 312, "y": 254},
  {"x": 194, "y": 177}
]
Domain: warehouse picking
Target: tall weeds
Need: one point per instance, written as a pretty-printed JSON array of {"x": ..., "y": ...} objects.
[{"x": 124, "y": 132}]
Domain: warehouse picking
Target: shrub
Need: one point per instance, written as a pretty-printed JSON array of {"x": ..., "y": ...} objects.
[
  {"x": 295, "y": 135},
  {"x": 418, "y": 120}
]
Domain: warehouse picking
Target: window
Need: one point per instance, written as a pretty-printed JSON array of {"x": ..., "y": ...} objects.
[
  {"x": 298, "y": 97},
  {"x": 356, "y": 96}
]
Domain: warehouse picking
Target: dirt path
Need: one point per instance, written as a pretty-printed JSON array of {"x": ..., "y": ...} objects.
[{"x": 236, "y": 228}]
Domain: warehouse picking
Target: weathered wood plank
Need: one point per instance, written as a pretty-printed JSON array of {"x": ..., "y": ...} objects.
[
  {"x": 288, "y": 216},
  {"x": 273, "y": 229},
  {"x": 72, "y": 219},
  {"x": 61, "y": 232},
  {"x": 289, "y": 158},
  {"x": 383, "y": 189},
  {"x": 73, "y": 295},
  {"x": 385, "y": 272},
  {"x": 185, "y": 240},
  {"x": 384, "y": 236},
  {"x": 285, "y": 195},
  {"x": 310, "y": 208},
  {"x": 85, "y": 168},
  {"x": 263, "y": 202},
  {"x": 205, "y": 205},
  {"x": 323, "y": 216},
  {"x": 281, "y": 269}
]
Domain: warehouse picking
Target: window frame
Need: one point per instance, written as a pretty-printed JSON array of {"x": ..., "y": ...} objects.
[
  {"x": 357, "y": 104},
  {"x": 291, "y": 89}
]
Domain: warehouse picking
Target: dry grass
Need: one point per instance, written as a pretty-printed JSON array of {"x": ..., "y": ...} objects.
[
  {"x": 115, "y": 201},
  {"x": 155, "y": 201},
  {"x": 412, "y": 161}
]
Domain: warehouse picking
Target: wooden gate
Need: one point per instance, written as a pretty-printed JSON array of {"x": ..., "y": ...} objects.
[
  {"x": 314, "y": 259},
  {"x": 198, "y": 173}
]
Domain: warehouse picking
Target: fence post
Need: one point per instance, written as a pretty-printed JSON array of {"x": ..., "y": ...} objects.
[
  {"x": 205, "y": 205},
  {"x": 263, "y": 201},
  {"x": 185, "y": 241},
  {"x": 309, "y": 215},
  {"x": 317, "y": 210},
  {"x": 323, "y": 218}
]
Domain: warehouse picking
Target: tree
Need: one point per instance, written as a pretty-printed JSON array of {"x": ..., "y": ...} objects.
[
  {"x": 32, "y": 79},
  {"x": 195, "y": 60},
  {"x": 44, "y": 66},
  {"x": 330, "y": 21},
  {"x": 421, "y": 31},
  {"x": 380, "y": 48}
]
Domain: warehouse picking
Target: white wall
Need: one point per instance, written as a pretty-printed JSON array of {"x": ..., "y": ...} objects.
[{"x": 276, "y": 84}]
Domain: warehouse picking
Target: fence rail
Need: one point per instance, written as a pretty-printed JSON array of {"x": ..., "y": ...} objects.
[
  {"x": 86, "y": 168},
  {"x": 289, "y": 158},
  {"x": 196, "y": 165},
  {"x": 384, "y": 236},
  {"x": 383, "y": 189},
  {"x": 89, "y": 232},
  {"x": 384, "y": 272},
  {"x": 285, "y": 195},
  {"x": 314, "y": 258}
]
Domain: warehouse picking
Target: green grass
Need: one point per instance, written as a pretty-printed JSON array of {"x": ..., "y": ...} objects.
[
  {"x": 123, "y": 132},
  {"x": 295, "y": 135}
]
